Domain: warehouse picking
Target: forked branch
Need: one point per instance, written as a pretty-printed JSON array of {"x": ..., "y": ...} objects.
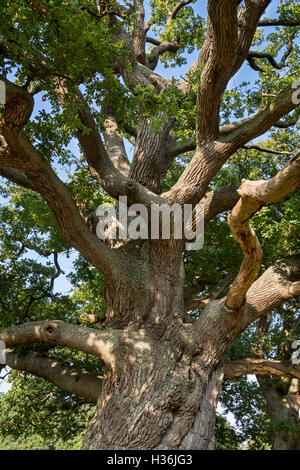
[{"x": 279, "y": 22}]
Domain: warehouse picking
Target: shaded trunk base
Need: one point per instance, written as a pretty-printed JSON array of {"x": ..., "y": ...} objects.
[{"x": 180, "y": 429}]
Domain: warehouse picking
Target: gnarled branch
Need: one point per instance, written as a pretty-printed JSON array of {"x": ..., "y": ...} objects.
[
  {"x": 25, "y": 158},
  {"x": 159, "y": 50},
  {"x": 279, "y": 283},
  {"x": 240, "y": 367},
  {"x": 81, "y": 383},
  {"x": 56, "y": 332}
]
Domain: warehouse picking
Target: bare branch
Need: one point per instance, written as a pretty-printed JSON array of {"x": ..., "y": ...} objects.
[
  {"x": 179, "y": 148},
  {"x": 224, "y": 51},
  {"x": 56, "y": 332},
  {"x": 149, "y": 153},
  {"x": 70, "y": 380},
  {"x": 253, "y": 64},
  {"x": 285, "y": 124},
  {"x": 138, "y": 73},
  {"x": 240, "y": 367},
  {"x": 153, "y": 41},
  {"x": 218, "y": 201},
  {"x": 276, "y": 188},
  {"x": 214, "y": 203},
  {"x": 16, "y": 177},
  {"x": 254, "y": 194},
  {"x": 28, "y": 160},
  {"x": 189, "y": 145},
  {"x": 279, "y": 22},
  {"x": 100, "y": 163}
]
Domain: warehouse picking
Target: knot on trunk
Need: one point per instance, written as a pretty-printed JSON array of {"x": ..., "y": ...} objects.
[{"x": 51, "y": 331}]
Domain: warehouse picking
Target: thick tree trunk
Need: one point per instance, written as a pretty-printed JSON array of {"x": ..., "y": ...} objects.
[{"x": 161, "y": 394}]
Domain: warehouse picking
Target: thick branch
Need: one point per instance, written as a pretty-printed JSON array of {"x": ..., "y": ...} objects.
[
  {"x": 210, "y": 154},
  {"x": 279, "y": 283},
  {"x": 153, "y": 41},
  {"x": 189, "y": 145},
  {"x": 137, "y": 73},
  {"x": 214, "y": 203},
  {"x": 139, "y": 35},
  {"x": 284, "y": 124},
  {"x": 176, "y": 10},
  {"x": 219, "y": 66},
  {"x": 70, "y": 380},
  {"x": 240, "y": 132},
  {"x": 100, "y": 164},
  {"x": 218, "y": 201},
  {"x": 56, "y": 332},
  {"x": 254, "y": 194},
  {"x": 240, "y": 367},
  {"x": 252, "y": 55},
  {"x": 16, "y": 177},
  {"x": 279, "y": 22},
  {"x": 192, "y": 304},
  {"x": 176, "y": 148},
  {"x": 149, "y": 153}
]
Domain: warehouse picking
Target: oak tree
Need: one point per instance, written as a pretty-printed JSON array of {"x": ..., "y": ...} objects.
[{"x": 162, "y": 368}]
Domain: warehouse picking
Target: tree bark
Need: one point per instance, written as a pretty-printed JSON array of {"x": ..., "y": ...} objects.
[{"x": 163, "y": 391}]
